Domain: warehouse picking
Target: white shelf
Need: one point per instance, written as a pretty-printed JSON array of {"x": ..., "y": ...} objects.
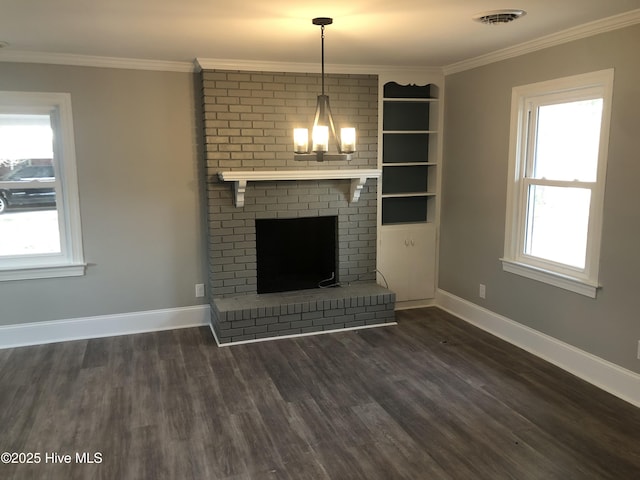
[
  {"x": 409, "y": 131},
  {"x": 410, "y": 164},
  {"x": 408, "y": 194},
  {"x": 411, "y": 100},
  {"x": 240, "y": 178}
]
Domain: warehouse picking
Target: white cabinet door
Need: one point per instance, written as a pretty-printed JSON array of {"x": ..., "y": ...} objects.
[{"x": 407, "y": 260}]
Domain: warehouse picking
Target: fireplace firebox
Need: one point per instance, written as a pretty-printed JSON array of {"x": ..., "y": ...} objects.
[{"x": 296, "y": 253}]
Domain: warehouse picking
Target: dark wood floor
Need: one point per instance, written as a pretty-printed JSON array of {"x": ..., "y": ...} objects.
[{"x": 432, "y": 398}]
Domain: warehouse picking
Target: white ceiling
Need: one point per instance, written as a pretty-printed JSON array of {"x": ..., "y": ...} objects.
[{"x": 364, "y": 32}]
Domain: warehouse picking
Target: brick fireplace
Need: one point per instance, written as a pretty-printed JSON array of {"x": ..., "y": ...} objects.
[{"x": 248, "y": 121}]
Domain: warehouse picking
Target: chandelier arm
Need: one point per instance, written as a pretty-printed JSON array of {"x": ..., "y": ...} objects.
[
  {"x": 319, "y": 110},
  {"x": 333, "y": 127}
]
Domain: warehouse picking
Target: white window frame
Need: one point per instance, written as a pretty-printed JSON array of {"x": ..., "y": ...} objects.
[
  {"x": 70, "y": 260},
  {"x": 524, "y": 98}
]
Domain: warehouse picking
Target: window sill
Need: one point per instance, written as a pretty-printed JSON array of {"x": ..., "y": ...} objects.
[
  {"x": 572, "y": 284},
  {"x": 49, "y": 271}
]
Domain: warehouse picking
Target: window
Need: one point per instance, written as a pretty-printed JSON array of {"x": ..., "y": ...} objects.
[
  {"x": 557, "y": 166},
  {"x": 39, "y": 212}
]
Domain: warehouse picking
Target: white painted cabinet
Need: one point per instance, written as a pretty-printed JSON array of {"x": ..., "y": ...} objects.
[{"x": 407, "y": 260}]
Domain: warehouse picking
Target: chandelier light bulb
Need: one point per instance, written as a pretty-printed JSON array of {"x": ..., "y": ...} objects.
[
  {"x": 320, "y": 137},
  {"x": 301, "y": 140},
  {"x": 348, "y": 139}
]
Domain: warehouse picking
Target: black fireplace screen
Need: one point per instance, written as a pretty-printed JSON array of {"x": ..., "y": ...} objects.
[{"x": 296, "y": 253}]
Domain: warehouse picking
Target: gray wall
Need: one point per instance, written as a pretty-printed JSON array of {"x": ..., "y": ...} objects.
[
  {"x": 476, "y": 142},
  {"x": 137, "y": 158}
]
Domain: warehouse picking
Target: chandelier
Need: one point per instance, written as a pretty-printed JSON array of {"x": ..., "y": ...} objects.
[{"x": 323, "y": 124}]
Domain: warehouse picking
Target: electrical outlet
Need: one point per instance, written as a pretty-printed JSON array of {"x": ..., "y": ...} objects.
[
  {"x": 482, "y": 292},
  {"x": 199, "y": 290}
]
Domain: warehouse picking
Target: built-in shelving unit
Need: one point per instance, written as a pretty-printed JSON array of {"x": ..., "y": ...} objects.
[
  {"x": 409, "y": 157},
  {"x": 408, "y": 178}
]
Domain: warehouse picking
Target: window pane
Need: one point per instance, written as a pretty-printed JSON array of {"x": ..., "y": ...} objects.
[
  {"x": 23, "y": 137},
  {"x": 28, "y": 214},
  {"x": 29, "y": 232},
  {"x": 557, "y": 224},
  {"x": 567, "y": 143}
]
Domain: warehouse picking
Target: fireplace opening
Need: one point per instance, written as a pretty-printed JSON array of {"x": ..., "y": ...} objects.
[{"x": 296, "y": 253}]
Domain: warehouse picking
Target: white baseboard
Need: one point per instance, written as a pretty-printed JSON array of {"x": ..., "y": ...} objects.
[
  {"x": 608, "y": 376},
  {"x": 410, "y": 304},
  {"x": 103, "y": 326}
]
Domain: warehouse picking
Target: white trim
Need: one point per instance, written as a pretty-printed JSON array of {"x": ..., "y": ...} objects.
[
  {"x": 552, "y": 278},
  {"x": 43, "y": 271},
  {"x": 265, "y": 66},
  {"x": 605, "y": 375},
  {"x": 38, "y": 333},
  {"x": 271, "y": 175},
  {"x": 525, "y": 100},
  {"x": 22, "y": 56},
  {"x": 411, "y": 304},
  {"x": 582, "y": 31},
  {"x": 198, "y": 64},
  {"x": 69, "y": 261},
  {"x": 298, "y": 335},
  {"x": 292, "y": 67},
  {"x": 240, "y": 178}
]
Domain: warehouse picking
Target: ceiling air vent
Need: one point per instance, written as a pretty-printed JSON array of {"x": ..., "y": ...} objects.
[{"x": 497, "y": 17}]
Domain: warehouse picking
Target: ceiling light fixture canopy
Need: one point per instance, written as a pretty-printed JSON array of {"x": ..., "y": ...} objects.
[{"x": 323, "y": 124}]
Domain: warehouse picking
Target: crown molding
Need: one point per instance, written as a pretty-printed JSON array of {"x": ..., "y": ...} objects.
[
  {"x": 262, "y": 66},
  {"x": 23, "y": 56},
  {"x": 587, "y": 30}
]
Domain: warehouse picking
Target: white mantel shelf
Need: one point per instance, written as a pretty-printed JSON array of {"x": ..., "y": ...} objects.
[{"x": 357, "y": 176}]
